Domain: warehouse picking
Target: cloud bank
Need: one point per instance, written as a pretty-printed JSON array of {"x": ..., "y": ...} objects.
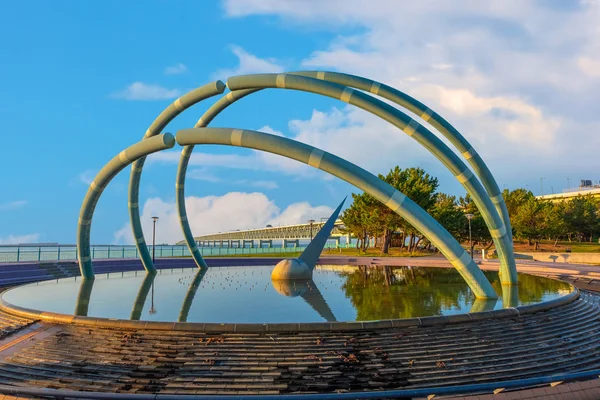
[{"x": 212, "y": 214}]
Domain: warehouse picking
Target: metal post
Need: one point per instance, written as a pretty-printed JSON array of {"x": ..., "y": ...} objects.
[
  {"x": 154, "y": 219},
  {"x": 542, "y": 186},
  {"x": 469, "y": 217},
  {"x": 152, "y": 310},
  {"x": 311, "y": 221}
]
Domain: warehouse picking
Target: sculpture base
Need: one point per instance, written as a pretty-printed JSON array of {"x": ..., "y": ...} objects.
[{"x": 291, "y": 269}]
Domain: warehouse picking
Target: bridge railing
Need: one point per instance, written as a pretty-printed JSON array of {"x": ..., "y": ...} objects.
[{"x": 34, "y": 253}]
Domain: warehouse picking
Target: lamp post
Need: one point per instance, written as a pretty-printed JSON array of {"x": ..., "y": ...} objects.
[
  {"x": 469, "y": 217},
  {"x": 311, "y": 221},
  {"x": 154, "y": 219},
  {"x": 542, "y": 185},
  {"x": 152, "y": 310}
]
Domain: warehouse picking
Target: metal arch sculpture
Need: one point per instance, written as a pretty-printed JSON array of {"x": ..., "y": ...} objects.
[
  {"x": 411, "y": 127},
  {"x": 242, "y": 86},
  {"x": 490, "y": 204},
  {"x": 488, "y": 200},
  {"x": 358, "y": 177}
]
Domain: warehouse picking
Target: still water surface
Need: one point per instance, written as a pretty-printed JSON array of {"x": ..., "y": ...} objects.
[{"x": 247, "y": 294}]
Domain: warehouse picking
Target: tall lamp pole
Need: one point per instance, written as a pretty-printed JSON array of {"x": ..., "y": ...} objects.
[
  {"x": 154, "y": 219},
  {"x": 542, "y": 185},
  {"x": 311, "y": 221},
  {"x": 469, "y": 217},
  {"x": 152, "y": 310}
]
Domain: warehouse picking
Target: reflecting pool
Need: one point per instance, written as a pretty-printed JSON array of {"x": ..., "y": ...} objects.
[{"x": 247, "y": 294}]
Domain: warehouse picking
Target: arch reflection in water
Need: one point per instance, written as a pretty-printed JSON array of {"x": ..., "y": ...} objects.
[
  {"x": 190, "y": 294},
  {"x": 140, "y": 299},
  {"x": 309, "y": 292},
  {"x": 83, "y": 297},
  {"x": 481, "y": 305},
  {"x": 510, "y": 296}
]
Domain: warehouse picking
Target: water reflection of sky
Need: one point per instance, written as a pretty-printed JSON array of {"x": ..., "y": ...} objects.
[{"x": 247, "y": 294}]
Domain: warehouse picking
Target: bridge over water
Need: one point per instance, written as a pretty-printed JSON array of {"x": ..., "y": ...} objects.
[{"x": 287, "y": 235}]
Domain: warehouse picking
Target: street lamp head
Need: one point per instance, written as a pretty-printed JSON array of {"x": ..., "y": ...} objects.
[
  {"x": 469, "y": 216},
  {"x": 310, "y": 221},
  {"x": 154, "y": 219}
]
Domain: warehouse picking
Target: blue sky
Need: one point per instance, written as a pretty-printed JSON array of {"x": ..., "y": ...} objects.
[{"x": 83, "y": 80}]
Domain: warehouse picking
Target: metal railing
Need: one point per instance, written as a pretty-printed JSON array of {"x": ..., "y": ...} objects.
[{"x": 34, "y": 253}]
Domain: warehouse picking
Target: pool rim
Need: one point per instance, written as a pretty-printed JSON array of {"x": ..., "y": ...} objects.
[{"x": 285, "y": 327}]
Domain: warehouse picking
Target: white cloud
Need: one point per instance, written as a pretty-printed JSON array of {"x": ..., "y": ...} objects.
[
  {"x": 269, "y": 185},
  {"x": 518, "y": 79},
  {"x": 211, "y": 214},
  {"x": 13, "y": 205},
  {"x": 590, "y": 66},
  {"x": 203, "y": 174},
  {"x": 300, "y": 213},
  {"x": 87, "y": 176},
  {"x": 248, "y": 64},
  {"x": 256, "y": 160},
  {"x": 205, "y": 159},
  {"x": 146, "y": 91},
  {"x": 17, "y": 239},
  {"x": 176, "y": 69}
]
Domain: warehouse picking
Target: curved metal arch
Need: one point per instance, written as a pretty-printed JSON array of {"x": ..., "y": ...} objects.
[
  {"x": 241, "y": 87},
  {"x": 190, "y": 294},
  {"x": 434, "y": 119},
  {"x": 358, "y": 177},
  {"x": 166, "y": 116},
  {"x": 102, "y": 179},
  {"x": 508, "y": 272},
  {"x": 206, "y": 118},
  {"x": 142, "y": 295}
]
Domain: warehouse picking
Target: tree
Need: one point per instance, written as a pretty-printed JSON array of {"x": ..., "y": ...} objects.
[
  {"x": 515, "y": 199},
  {"x": 530, "y": 220},
  {"x": 359, "y": 218},
  {"x": 479, "y": 230},
  {"x": 418, "y": 186},
  {"x": 367, "y": 217},
  {"x": 554, "y": 217},
  {"x": 446, "y": 212},
  {"x": 581, "y": 217}
]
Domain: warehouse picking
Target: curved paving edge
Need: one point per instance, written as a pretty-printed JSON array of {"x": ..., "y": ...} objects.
[{"x": 59, "y": 318}]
